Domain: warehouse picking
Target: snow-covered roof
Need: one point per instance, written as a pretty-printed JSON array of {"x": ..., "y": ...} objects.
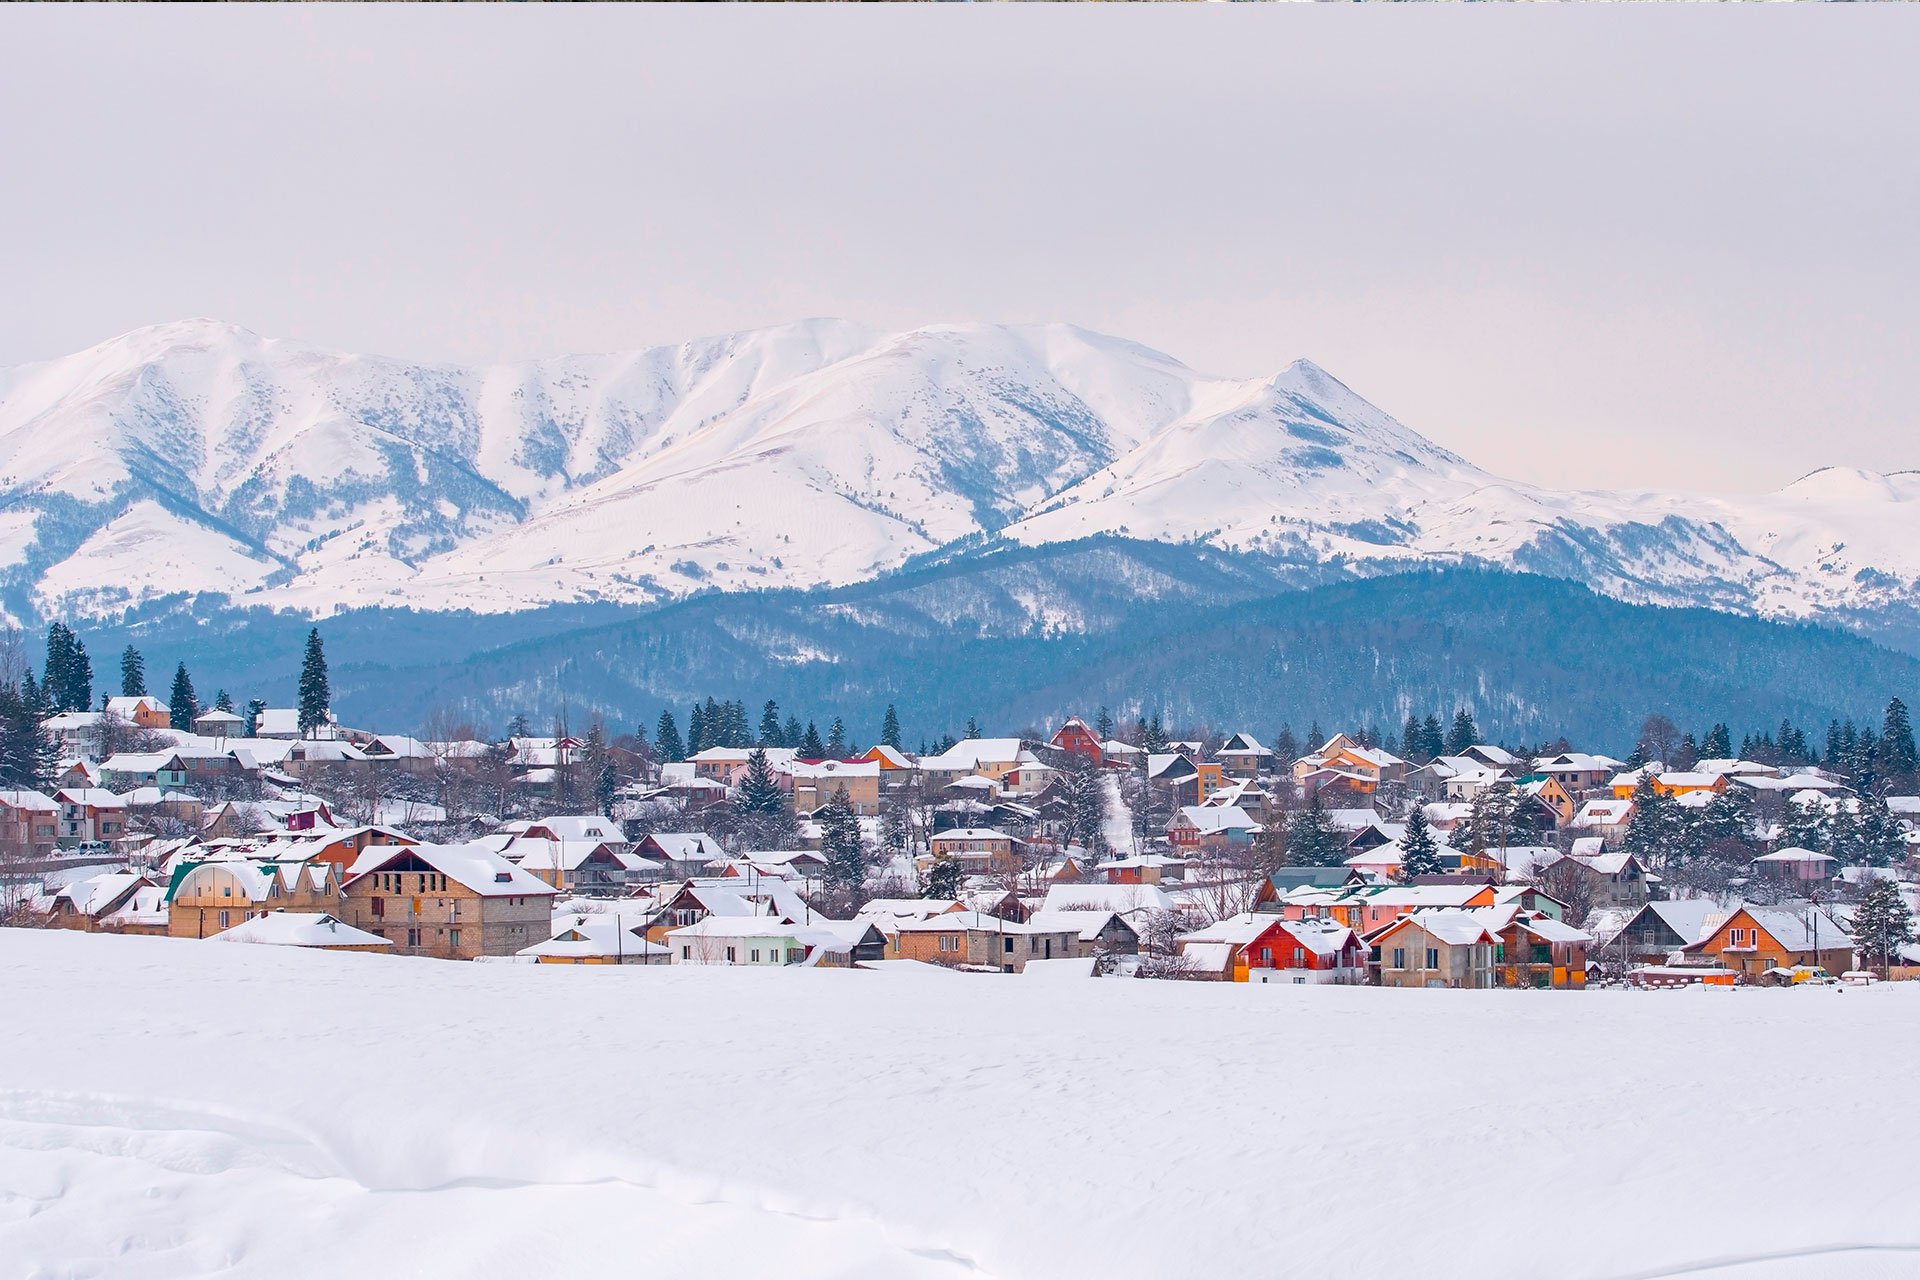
[
  {"x": 1087, "y": 923},
  {"x": 1123, "y": 898},
  {"x": 596, "y": 934},
  {"x": 972, "y": 754},
  {"x": 1213, "y": 819},
  {"x": 299, "y": 929},
  {"x": 472, "y": 865},
  {"x": 30, "y": 801},
  {"x": 96, "y": 893}
]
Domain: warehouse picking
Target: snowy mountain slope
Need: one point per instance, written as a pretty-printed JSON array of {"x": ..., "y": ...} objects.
[{"x": 198, "y": 458}]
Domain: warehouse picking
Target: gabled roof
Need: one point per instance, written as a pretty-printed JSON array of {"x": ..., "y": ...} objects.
[
  {"x": 299, "y": 929},
  {"x": 973, "y": 753},
  {"x": 473, "y": 865}
]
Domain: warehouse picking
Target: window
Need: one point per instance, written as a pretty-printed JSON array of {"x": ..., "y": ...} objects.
[
  {"x": 1399, "y": 957},
  {"x": 686, "y": 953},
  {"x": 453, "y": 937},
  {"x": 379, "y": 908},
  {"x": 1009, "y": 946},
  {"x": 756, "y": 955},
  {"x": 730, "y": 955},
  {"x": 1299, "y": 956},
  {"x": 413, "y": 937},
  {"x": 949, "y": 943},
  {"x": 1433, "y": 957},
  {"x": 1266, "y": 955},
  {"x": 224, "y": 917}
]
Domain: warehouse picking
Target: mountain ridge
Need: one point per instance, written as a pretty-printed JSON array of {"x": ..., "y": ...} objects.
[{"x": 200, "y": 459}]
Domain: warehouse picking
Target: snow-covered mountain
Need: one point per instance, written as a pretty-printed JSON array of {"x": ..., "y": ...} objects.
[{"x": 197, "y": 457}]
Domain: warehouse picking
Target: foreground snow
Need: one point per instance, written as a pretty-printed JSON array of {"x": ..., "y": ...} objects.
[{"x": 170, "y": 1109}]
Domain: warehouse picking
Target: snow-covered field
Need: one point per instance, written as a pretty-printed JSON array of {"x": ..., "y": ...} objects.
[{"x": 169, "y": 1109}]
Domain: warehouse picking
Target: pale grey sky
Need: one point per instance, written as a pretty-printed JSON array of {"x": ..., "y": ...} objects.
[{"x": 1586, "y": 246}]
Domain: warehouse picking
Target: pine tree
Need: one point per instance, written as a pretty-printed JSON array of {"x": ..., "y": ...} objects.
[
  {"x": 890, "y": 729},
  {"x": 1718, "y": 744},
  {"x": 791, "y": 732},
  {"x": 1882, "y": 923},
  {"x": 696, "y": 731},
  {"x": 1654, "y": 833},
  {"x": 1463, "y": 734},
  {"x": 1878, "y": 840},
  {"x": 518, "y": 727},
  {"x": 182, "y": 705},
  {"x": 842, "y": 848},
  {"x": 256, "y": 707},
  {"x": 973, "y": 728},
  {"x": 1316, "y": 736},
  {"x": 944, "y": 879},
  {"x": 596, "y": 761},
  {"x": 1156, "y": 740},
  {"x": 222, "y": 702},
  {"x": 811, "y": 748},
  {"x": 1410, "y": 738},
  {"x": 666, "y": 740},
  {"x": 59, "y": 660},
  {"x": 133, "y": 673},
  {"x": 759, "y": 794},
  {"x": 1897, "y": 757},
  {"x": 1286, "y": 747},
  {"x": 1419, "y": 851},
  {"x": 605, "y": 786},
  {"x": 1102, "y": 725},
  {"x": 1310, "y": 838},
  {"x": 316, "y": 694},
  {"x": 1433, "y": 742},
  {"x": 836, "y": 739},
  {"x": 770, "y": 725},
  {"x": 1807, "y": 826}
]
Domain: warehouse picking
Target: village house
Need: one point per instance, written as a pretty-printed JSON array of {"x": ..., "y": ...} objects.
[
  {"x": 1660, "y": 929},
  {"x": 1142, "y": 868},
  {"x": 90, "y": 813},
  {"x": 599, "y": 938},
  {"x": 1367, "y": 908},
  {"x": 683, "y": 853},
  {"x": 1242, "y": 756},
  {"x": 815, "y": 784},
  {"x": 1753, "y": 940},
  {"x": 29, "y": 823},
  {"x": 1214, "y": 828},
  {"x": 976, "y": 849},
  {"x": 1077, "y": 738},
  {"x": 971, "y": 939},
  {"x": 990, "y": 758},
  {"x": 205, "y": 898},
  {"x": 1532, "y": 949},
  {"x": 762, "y": 940},
  {"x": 1580, "y": 773},
  {"x": 1260, "y": 947},
  {"x": 88, "y": 905},
  {"x": 1611, "y": 881},
  {"x": 1443, "y": 948},
  {"x": 142, "y": 712},
  {"x": 312, "y": 930},
  {"x": 452, "y": 901}
]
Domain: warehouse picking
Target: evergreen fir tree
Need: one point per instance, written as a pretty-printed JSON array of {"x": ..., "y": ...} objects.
[
  {"x": 836, "y": 739},
  {"x": 770, "y": 724},
  {"x": 1807, "y": 827},
  {"x": 133, "y": 673},
  {"x": 316, "y": 693},
  {"x": 666, "y": 740},
  {"x": 791, "y": 732},
  {"x": 1419, "y": 851},
  {"x": 842, "y": 849},
  {"x": 596, "y": 760},
  {"x": 1878, "y": 840},
  {"x": 256, "y": 707},
  {"x": 1882, "y": 923},
  {"x": 696, "y": 731},
  {"x": 59, "y": 660},
  {"x": 811, "y": 748},
  {"x": 1897, "y": 758},
  {"x": 518, "y": 727},
  {"x": 222, "y": 702},
  {"x": 1654, "y": 833},
  {"x": 890, "y": 728},
  {"x": 1410, "y": 738},
  {"x": 1316, "y": 737},
  {"x": 758, "y": 794},
  {"x": 1311, "y": 841},
  {"x": 1834, "y": 752},
  {"x": 1433, "y": 742},
  {"x": 182, "y": 706},
  {"x": 605, "y": 787},
  {"x": 1718, "y": 744},
  {"x": 1103, "y": 725},
  {"x": 1156, "y": 740},
  {"x": 1463, "y": 734},
  {"x": 973, "y": 727},
  {"x": 945, "y": 878},
  {"x": 1286, "y": 747}
]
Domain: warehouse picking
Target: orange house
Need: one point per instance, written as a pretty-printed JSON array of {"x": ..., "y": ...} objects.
[
  {"x": 1681, "y": 784},
  {"x": 1752, "y": 940}
]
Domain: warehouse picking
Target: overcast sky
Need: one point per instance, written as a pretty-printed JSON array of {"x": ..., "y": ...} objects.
[{"x": 1594, "y": 247}]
